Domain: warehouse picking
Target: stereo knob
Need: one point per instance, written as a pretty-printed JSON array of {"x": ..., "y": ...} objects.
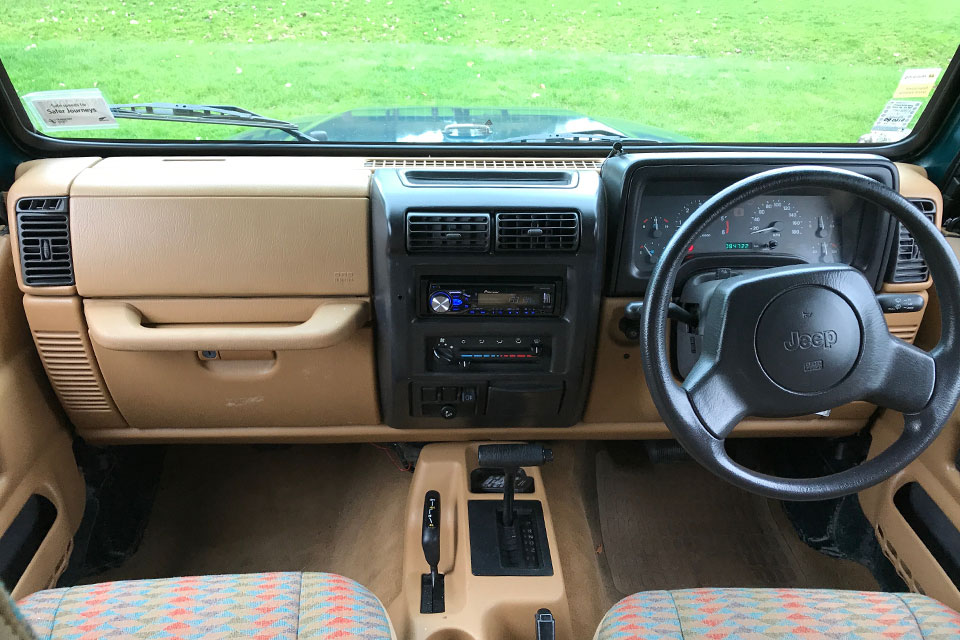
[{"x": 440, "y": 303}]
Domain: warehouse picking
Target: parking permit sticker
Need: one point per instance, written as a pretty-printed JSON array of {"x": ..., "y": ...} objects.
[
  {"x": 896, "y": 116},
  {"x": 916, "y": 83},
  {"x": 70, "y": 109}
]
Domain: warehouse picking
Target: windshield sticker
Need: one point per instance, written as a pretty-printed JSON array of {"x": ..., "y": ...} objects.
[
  {"x": 70, "y": 109},
  {"x": 916, "y": 83},
  {"x": 896, "y": 116}
]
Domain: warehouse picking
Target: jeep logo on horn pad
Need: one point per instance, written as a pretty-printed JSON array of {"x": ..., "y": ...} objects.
[{"x": 815, "y": 340}]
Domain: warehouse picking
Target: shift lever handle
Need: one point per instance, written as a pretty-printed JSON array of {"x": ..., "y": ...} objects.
[
  {"x": 510, "y": 457},
  {"x": 430, "y": 537},
  {"x": 505, "y": 456}
]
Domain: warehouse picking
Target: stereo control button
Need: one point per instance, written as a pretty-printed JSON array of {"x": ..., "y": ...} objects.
[{"x": 440, "y": 303}]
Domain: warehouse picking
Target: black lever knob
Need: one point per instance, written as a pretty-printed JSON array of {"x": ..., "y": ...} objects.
[
  {"x": 510, "y": 457},
  {"x": 430, "y": 537},
  {"x": 504, "y": 456}
]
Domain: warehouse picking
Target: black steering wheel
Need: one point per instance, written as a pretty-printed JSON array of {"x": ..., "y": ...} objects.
[{"x": 796, "y": 340}]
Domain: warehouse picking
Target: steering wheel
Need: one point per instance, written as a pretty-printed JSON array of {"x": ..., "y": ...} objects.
[{"x": 799, "y": 339}]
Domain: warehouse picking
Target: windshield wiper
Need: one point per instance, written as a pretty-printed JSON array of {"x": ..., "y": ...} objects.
[
  {"x": 205, "y": 114},
  {"x": 598, "y": 135}
]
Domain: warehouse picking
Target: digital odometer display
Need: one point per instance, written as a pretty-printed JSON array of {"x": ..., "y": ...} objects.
[{"x": 739, "y": 245}]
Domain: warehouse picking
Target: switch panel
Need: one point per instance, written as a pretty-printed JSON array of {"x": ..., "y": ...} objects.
[{"x": 448, "y": 401}]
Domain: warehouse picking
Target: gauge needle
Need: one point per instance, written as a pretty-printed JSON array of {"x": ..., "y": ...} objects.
[
  {"x": 821, "y": 227},
  {"x": 647, "y": 253},
  {"x": 655, "y": 229},
  {"x": 772, "y": 227}
]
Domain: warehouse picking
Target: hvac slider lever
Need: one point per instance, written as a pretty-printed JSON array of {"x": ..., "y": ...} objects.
[{"x": 431, "y": 584}]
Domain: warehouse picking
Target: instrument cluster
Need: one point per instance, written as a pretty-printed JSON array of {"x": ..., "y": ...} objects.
[{"x": 800, "y": 226}]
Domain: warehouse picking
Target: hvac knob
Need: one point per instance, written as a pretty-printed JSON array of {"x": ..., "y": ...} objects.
[
  {"x": 440, "y": 303},
  {"x": 445, "y": 353}
]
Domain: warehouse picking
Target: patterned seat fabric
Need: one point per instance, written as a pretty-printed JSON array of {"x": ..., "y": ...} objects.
[
  {"x": 264, "y": 606},
  {"x": 781, "y": 614}
]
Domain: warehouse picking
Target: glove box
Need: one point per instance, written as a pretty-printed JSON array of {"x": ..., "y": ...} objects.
[{"x": 236, "y": 363}]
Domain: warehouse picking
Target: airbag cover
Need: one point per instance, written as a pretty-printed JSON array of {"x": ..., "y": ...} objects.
[{"x": 808, "y": 339}]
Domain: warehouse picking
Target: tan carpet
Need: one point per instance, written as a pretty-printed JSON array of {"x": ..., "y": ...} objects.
[
  {"x": 570, "y": 483},
  {"x": 674, "y": 525},
  {"x": 241, "y": 509}
]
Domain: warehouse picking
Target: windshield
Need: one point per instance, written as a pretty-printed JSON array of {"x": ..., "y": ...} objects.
[{"x": 464, "y": 71}]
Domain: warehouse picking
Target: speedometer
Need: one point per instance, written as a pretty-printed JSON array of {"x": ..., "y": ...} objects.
[{"x": 772, "y": 219}]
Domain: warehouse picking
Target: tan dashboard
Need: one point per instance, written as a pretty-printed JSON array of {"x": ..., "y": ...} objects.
[{"x": 231, "y": 299}]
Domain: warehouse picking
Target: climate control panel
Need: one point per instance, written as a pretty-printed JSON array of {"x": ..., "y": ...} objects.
[{"x": 488, "y": 353}]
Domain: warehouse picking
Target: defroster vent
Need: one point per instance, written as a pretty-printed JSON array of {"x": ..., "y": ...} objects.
[
  {"x": 538, "y": 231},
  {"x": 43, "y": 231},
  {"x": 908, "y": 264},
  {"x": 448, "y": 232}
]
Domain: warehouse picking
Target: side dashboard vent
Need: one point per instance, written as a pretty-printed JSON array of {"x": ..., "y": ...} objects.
[
  {"x": 448, "y": 232},
  {"x": 538, "y": 231},
  {"x": 908, "y": 264},
  {"x": 43, "y": 232},
  {"x": 71, "y": 371}
]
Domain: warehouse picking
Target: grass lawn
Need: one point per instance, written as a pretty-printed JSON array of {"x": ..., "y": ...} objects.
[{"x": 787, "y": 70}]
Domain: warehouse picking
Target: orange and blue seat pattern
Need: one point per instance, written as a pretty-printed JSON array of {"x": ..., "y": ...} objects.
[
  {"x": 778, "y": 614},
  {"x": 265, "y": 606}
]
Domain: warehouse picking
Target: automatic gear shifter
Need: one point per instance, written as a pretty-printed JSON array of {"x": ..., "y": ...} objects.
[
  {"x": 510, "y": 457},
  {"x": 509, "y": 538}
]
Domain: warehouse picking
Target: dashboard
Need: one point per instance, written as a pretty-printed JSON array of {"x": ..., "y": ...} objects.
[{"x": 404, "y": 301}]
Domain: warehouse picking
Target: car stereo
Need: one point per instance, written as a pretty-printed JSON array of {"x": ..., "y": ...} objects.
[{"x": 489, "y": 299}]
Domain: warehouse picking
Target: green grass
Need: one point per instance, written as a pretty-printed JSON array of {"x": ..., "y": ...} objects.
[{"x": 787, "y": 70}]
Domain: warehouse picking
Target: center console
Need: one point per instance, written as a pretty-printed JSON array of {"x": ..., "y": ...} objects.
[
  {"x": 477, "y": 562},
  {"x": 487, "y": 290}
]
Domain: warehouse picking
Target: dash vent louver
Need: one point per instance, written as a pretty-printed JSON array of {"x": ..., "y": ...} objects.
[
  {"x": 908, "y": 264},
  {"x": 43, "y": 232},
  {"x": 443, "y": 232},
  {"x": 538, "y": 231}
]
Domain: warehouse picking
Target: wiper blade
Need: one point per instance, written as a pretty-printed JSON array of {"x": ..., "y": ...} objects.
[
  {"x": 578, "y": 136},
  {"x": 205, "y": 114}
]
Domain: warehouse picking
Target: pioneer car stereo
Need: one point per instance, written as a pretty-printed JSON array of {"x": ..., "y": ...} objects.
[{"x": 487, "y": 299}]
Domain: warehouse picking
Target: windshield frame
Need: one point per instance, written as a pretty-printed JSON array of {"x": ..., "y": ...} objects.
[{"x": 14, "y": 119}]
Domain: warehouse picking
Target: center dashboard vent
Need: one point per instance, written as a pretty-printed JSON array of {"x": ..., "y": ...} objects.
[
  {"x": 43, "y": 232},
  {"x": 908, "y": 264},
  {"x": 448, "y": 232},
  {"x": 538, "y": 231}
]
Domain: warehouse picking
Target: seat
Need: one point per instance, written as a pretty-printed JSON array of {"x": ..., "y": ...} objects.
[
  {"x": 262, "y": 606},
  {"x": 781, "y": 614}
]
